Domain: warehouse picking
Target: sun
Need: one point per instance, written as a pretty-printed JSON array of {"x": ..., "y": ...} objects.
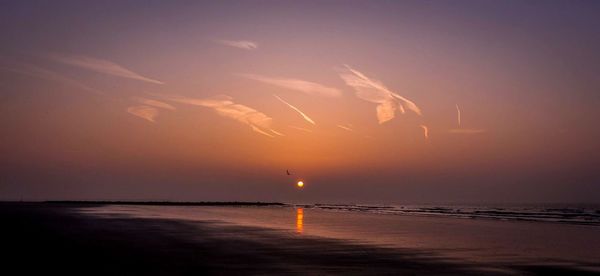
[{"x": 300, "y": 184}]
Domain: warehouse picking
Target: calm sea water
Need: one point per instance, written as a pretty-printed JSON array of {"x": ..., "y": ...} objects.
[{"x": 566, "y": 235}]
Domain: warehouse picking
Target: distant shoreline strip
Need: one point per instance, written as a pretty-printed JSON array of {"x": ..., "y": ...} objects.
[{"x": 168, "y": 203}]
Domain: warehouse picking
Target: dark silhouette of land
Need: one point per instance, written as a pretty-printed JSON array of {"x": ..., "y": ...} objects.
[
  {"x": 53, "y": 238},
  {"x": 167, "y": 203}
]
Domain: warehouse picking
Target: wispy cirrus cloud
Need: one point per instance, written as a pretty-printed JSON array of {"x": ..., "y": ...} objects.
[
  {"x": 303, "y": 86},
  {"x": 461, "y": 130},
  {"x": 425, "y": 131},
  {"x": 143, "y": 111},
  {"x": 226, "y": 107},
  {"x": 347, "y": 127},
  {"x": 467, "y": 130},
  {"x": 308, "y": 119},
  {"x": 241, "y": 44},
  {"x": 100, "y": 66},
  {"x": 301, "y": 129},
  {"x": 374, "y": 91},
  {"x": 49, "y": 75},
  {"x": 153, "y": 103},
  {"x": 149, "y": 108},
  {"x": 458, "y": 115}
]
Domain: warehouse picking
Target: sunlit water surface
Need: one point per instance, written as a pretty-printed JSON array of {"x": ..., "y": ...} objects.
[{"x": 476, "y": 240}]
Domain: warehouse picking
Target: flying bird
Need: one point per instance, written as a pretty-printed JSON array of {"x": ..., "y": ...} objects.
[{"x": 288, "y": 172}]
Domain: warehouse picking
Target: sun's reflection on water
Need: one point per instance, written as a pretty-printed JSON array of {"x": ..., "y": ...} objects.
[{"x": 299, "y": 220}]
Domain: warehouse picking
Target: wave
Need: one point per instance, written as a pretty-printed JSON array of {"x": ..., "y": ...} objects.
[{"x": 586, "y": 215}]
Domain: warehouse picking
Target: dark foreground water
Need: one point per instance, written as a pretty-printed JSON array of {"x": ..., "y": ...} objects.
[
  {"x": 509, "y": 239},
  {"x": 105, "y": 239}
]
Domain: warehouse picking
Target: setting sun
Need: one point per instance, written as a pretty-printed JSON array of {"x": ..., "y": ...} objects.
[{"x": 193, "y": 119}]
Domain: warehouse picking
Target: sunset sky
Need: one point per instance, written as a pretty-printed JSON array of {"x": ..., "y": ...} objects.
[{"x": 366, "y": 101}]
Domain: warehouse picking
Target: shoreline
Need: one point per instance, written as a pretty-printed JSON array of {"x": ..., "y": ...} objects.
[
  {"x": 569, "y": 216},
  {"x": 56, "y": 238},
  {"x": 59, "y": 239},
  {"x": 164, "y": 203}
]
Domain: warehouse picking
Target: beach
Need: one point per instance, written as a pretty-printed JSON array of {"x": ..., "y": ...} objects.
[
  {"x": 281, "y": 137},
  {"x": 177, "y": 240}
]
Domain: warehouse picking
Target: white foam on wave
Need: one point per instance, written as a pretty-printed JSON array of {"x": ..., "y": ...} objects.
[{"x": 588, "y": 215}]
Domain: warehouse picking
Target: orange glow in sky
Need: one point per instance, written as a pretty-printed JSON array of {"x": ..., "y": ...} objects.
[{"x": 181, "y": 104}]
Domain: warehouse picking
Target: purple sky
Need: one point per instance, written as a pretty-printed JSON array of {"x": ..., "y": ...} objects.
[{"x": 366, "y": 101}]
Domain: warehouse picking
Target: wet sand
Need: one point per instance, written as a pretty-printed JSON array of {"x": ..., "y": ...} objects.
[{"x": 55, "y": 238}]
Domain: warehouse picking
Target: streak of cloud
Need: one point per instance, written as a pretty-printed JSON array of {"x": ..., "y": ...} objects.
[
  {"x": 347, "y": 127},
  {"x": 143, "y": 111},
  {"x": 460, "y": 130},
  {"x": 301, "y": 129},
  {"x": 100, "y": 66},
  {"x": 49, "y": 75},
  {"x": 303, "y": 86},
  {"x": 226, "y": 107},
  {"x": 308, "y": 119},
  {"x": 374, "y": 91},
  {"x": 154, "y": 103},
  {"x": 467, "y": 130},
  {"x": 425, "y": 131},
  {"x": 241, "y": 44},
  {"x": 258, "y": 130},
  {"x": 276, "y": 132},
  {"x": 458, "y": 115}
]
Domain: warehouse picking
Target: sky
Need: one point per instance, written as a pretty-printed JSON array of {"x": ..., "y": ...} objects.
[{"x": 365, "y": 101}]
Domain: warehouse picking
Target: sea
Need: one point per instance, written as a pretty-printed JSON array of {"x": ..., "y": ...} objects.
[{"x": 547, "y": 234}]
